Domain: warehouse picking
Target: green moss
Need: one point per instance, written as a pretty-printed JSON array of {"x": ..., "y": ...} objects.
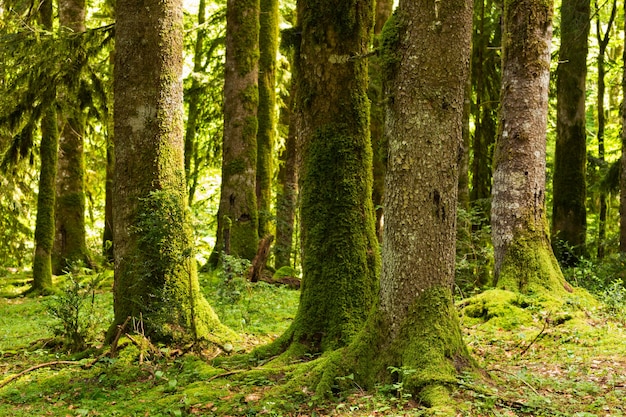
[
  {"x": 246, "y": 38},
  {"x": 389, "y": 54},
  {"x": 529, "y": 267},
  {"x": 44, "y": 224},
  {"x": 160, "y": 285}
]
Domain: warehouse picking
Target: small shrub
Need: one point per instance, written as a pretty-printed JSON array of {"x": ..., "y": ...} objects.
[{"x": 74, "y": 311}]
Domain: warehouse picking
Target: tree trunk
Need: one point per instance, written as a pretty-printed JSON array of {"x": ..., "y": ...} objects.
[
  {"x": 340, "y": 258},
  {"x": 44, "y": 224},
  {"x": 622, "y": 178},
  {"x": 569, "y": 215},
  {"x": 603, "y": 42},
  {"x": 415, "y": 330},
  {"x": 424, "y": 126},
  {"x": 377, "y": 117},
  {"x": 155, "y": 269},
  {"x": 48, "y": 149},
  {"x": 524, "y": 260},
  {"x": 485, "y": 64},
  {"x": 237, "y": 216},
  {"x": 268, "y": 47},
  {"x": 70, "y": 246},
  {"x": 287, "y": 196}
]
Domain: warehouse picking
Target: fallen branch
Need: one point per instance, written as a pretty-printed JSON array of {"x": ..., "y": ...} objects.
[{"x": 33, "y": 368}]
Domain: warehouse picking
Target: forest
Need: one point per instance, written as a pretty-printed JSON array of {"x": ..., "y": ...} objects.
[{"x": 312, "y": 208}]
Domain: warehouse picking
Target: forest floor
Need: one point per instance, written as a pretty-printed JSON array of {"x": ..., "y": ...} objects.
[{"x": 535, "y": 362}]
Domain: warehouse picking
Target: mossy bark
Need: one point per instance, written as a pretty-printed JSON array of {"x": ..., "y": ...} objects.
[
  {"x": 155, "y": 270},
  {"x": 569, "y": 213},
  {"x": 44, "y": 223},
  {"x": 48, "y": 151},
  {"x": 237, "y": 216},
  {"x": 485, "y": 79},
  {"x": 413, "y": 332},
  {"x": 70, "y": 246},
  {"x": 340, "y": 257},
  {"x": 622, "y": 178},
  {"x": 522, "y": 253},
  {"x": 268, "y": 47},
  {"x": 287, "y": 195},
  {"x": 377, "y": 116}
]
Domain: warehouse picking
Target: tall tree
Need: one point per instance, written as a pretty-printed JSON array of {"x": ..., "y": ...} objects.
[
  {"x": 569, "y": 215},
  {"x": 287, "y": 194},
  {"x": 155, "y": 270},
  {"x": 524, "y": 260},
  {"x": 603, "y": 42},
  {"x": 268, "y": 47},
  {"x": 485, "y": 80},
  {"x": 48, "y": 149},
  {"x": 69, "y": 242},
  {"x": 377, "y": 115},
  {"x": 237, "y": 216},
  {"x": 622, "y": 178},
  {"x": 340, "y": 259},
  {"x": 414, "y": 325}
]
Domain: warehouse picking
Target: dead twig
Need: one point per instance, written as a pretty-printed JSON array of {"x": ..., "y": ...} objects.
[{"x": 33, "y": 368}]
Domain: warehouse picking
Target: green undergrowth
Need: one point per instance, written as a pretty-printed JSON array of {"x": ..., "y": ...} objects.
[{"x": 539, "y": 356}]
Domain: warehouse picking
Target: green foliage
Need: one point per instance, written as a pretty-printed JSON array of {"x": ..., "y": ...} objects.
[
  {"x": 16, "y": 202},
  {"x": 474, "y": 251},
  {"x": 75, "y": 312}
]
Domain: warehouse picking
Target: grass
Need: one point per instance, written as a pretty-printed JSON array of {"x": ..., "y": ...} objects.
[{"x": 538, "y": 362}]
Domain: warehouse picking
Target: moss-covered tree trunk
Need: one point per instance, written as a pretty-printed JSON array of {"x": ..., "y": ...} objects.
[
  {"x": 155, "y": 269},
  {"x": 268, "y": 47},
  {"x": 622, "y": 178},
  {"x": 603, "y": 42},
  {"x": 237, "y": 216},
  {"x": 427, "y": 53},
  {"x": 485, "y": 79},
  {"x": 414, "y": 329},
  {"x": 287, "y": 195},
  {"x": 70, "y": 245},
  {"x": 524, "y": 260},
  {"x": 107, "y": 233},
  {"x": 340, "y": 258},
  {"x": 377, "y": 116},
  {"x": 569, "y": 215},
  {"x": 48, "y": 149},
  {"x": 44, "y": 223}
]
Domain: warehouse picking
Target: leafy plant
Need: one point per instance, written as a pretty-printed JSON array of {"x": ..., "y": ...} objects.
[{"x": 74, "y": 311}]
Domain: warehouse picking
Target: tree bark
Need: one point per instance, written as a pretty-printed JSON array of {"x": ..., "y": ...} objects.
[
  {"x": 524, "y": 260},
  {"x": 268, "y": 47},
  {"x": 237, "y": 215},
  {"x": 622, "y": 178},
  {"x": 287, "y": 196},
  {"x": 48, "y": 149},
  {"x": 340, "y": 258},
  {"x": 70, "y": 245},
  {"x": 569, "y": 215},
  {"x": 155, "y": 270},
  {"x": 44, "y": 223},
  {"x": 486, "y": 82},
  {"x": 414, "y": 328}
]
